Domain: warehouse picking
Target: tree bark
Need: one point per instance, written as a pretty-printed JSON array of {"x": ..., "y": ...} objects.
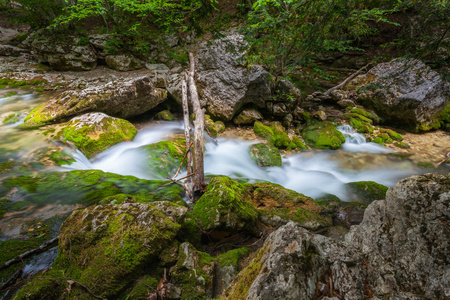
[
  {"x": 187, "y": 133},
  {"x": 199, "y": 127}
]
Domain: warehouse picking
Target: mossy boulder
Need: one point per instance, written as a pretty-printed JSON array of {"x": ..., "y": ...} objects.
[
  {"x": 322, "y": 135},
  {"x": 84, "y": 187},
  {"x": 297, "y": 144},
  {"x": 224, "y": 207},
  {"x": 265, "y": 155},
  {"x": 107, "y": 246},
  {"x": 164, "y": 115},
  {"x": 366, "y": 191},
  {"x": 274, "y": 134},
  {"x": 51, "y": 156},
  {"x": 210, "y": 126},
  {"x": 163, "y": 158},
  {"x": 121, "y": 98},
  {"x": 193, "y": 273},
  {"x": 392, "y": 134},
  {"x": 278, "y": 205},
  {"x": 93, "y": 133},
  {"x": 123, "y": 62}
]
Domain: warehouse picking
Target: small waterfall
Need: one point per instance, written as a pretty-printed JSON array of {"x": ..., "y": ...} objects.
[{"x": 356, "y": 142}]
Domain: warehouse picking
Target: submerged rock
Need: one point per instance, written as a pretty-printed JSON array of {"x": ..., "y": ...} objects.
[
  {"x": 405, "y": 93},
  {"x": 122, "y": 98},
  {"x": 265, "y": 155},
  {"x": 322, "y": 135},
  {"x": 164, "y": 158},
  {"x": 93, "y": 133}
]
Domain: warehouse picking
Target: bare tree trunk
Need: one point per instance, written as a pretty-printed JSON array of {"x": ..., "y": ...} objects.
[
  {"x": 199, "y": 128},
  {"x": 187, "y": 133}
]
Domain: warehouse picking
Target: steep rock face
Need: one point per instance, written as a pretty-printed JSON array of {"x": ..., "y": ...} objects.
[
  {"x": 405, "y": 238},
  {"x": 68, "y": 54},
  {"x": 399, "y": 251},
  {"x": 294, "y": 263},
  {"x": 225, "y": 85},
  {"x": 405, "y": 93},
  {"x": 121, "y": 98}
]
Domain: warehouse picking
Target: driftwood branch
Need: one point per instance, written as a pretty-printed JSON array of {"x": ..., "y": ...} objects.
[
  {"x": 199, "y": 128},
  {"x": 187, "y": 133},
  {"x": 39, "y": 249},
  {"x": 343, "y": 83}
]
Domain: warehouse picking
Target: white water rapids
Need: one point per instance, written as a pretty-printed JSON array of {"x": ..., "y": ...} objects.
[{"x": 312, "y": 173}]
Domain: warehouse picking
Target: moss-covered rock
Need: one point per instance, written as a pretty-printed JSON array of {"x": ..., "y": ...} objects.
[
  {"x": 224, "y": 207},
  {"x": 51, "y": 156},
  {"x": 12, "y": 118},
  {"x": 361, "y": 126},
  {"x": 322, "y": 135},
  {"x": 248, "y": 116},
  {"x": 297, "y": 144},
  {"x": 93, "y": 133},
  {"x": 343, "y": 213},
  {"x": 107, "y": 246},
  {"x": 392, "y": 134},
  {"x": 85, "y": 187},
  {"x": 164, "y": 115},
  {"x": 193, "y": 273},
  {"x": 402, "y": 145},
  {"x": 163, "y": 158},
  {"x": 122, "y": 98},
  {"x": 274, "y": 134},
  {"x": 366, "y": 191},
  {"x": 210, "y": 126},
  {"x": 265, "y": 155},
  {"x": 366, "y": 113},
  {"x": 278, "y": 205}
]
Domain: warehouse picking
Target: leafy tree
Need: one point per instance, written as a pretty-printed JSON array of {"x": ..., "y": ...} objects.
[{"x": 286, "y": 33}]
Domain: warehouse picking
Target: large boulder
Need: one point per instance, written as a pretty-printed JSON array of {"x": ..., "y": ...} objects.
[
  {"x": 62, "y": 53},
  {"x": 123, "y": 62},
  {"x": 322, "y": 135},
  {"x": 399, "y": 251},
  {"x": 296, "y": 264},
  {"x": 93, "y": 133},
  {"x": 405, "y": 238},
  {"x": 122, "y": 98},
  {"x": 225, "y": 85},
  {"x": 406, "y": 93}
]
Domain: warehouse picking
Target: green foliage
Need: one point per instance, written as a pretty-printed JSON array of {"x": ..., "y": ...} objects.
[{"x": 286, "y": 33}]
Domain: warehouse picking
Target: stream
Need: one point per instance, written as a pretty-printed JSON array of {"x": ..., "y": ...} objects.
[{"x": 313, "y": 173}]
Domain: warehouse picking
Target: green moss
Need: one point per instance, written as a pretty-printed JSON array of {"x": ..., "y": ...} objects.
[
  {"x": 223, "y": 206},
  {"x": 107, "y": 257},
  {"x": 210, "y": 126},
  {"x": 385, "y": 138},
  {"x": 3, "y": 209},
  {"x": 6, "y": 166},
  {"x": 88, "y": 187},
  {"x": 190, "y": 230},
  {"x": 392, "y": 134},
  {"x": 368, "y": 114},
  {"x": 165, "y": 115},
  {"x": 44, "y": 286},
  {"x": 361, "y": 126},
  {"x": 274, "y": 134},
  {"x": 144, "y": 286},
  {"x": 92, "y": 139},
  {"x": 232, "y": 257},
  {"x": 366, "y": 191},
  {"x": 10, "y": 94},
  {"x": 425, "y": 165},
  {"x": 265, "y": 155},
  {"x": 246, "y": 277},
  {"x": 37, "y": 117},
  {"x": 297, "y": 144},
  {"x": 220, "y": 126},
  {"x": 322, "y": 135},
  {"x": 164, "y": 158},
  {"x": 378, "y": 140},
  {"x": 193, "y": 273},
  {"x": 12, "y": 118},
  {"x": 402, "y": 145}
]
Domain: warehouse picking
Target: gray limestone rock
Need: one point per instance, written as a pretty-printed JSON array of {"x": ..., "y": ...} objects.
[{"x": 123, "y": 62}]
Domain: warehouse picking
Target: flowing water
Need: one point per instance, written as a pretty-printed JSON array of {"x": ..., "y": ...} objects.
[{"x": 312, "y": 173}]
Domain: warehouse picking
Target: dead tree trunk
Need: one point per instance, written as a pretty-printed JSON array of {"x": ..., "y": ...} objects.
[
  {"x": 187, "y": 133},
  {"x": 198, "y": 179}
]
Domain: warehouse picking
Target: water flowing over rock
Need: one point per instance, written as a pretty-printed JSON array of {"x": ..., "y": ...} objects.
[
  {"x": 406, "y": 93},
  {"x": 121, "y": 98},
  {"x": 93, "y": 133},
  {"x": 399, "y": 251},
  {"x": 64, "y": 54}
]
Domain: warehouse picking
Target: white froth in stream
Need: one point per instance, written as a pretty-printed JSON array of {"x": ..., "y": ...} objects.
[{"x": 312, "y": 173}]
